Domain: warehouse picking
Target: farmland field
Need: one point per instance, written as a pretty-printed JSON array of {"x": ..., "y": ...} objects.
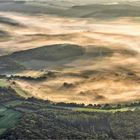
[{"x": 7, "y": 118}]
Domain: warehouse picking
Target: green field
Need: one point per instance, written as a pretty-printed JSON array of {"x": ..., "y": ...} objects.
[
  {"x": 13, "y": 103},
  {"x": 82, "y": 109},
  {"x": 3, "y": 83},
  {"x": 21, "y": 92},
  {"x": 2, "y": 109},
  {"x": 8, "y": 118}
]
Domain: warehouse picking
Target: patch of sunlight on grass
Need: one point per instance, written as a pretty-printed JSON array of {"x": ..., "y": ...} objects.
[
  {"x": 104, "y": 110},
  {"x": 4, "y": 83}
]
